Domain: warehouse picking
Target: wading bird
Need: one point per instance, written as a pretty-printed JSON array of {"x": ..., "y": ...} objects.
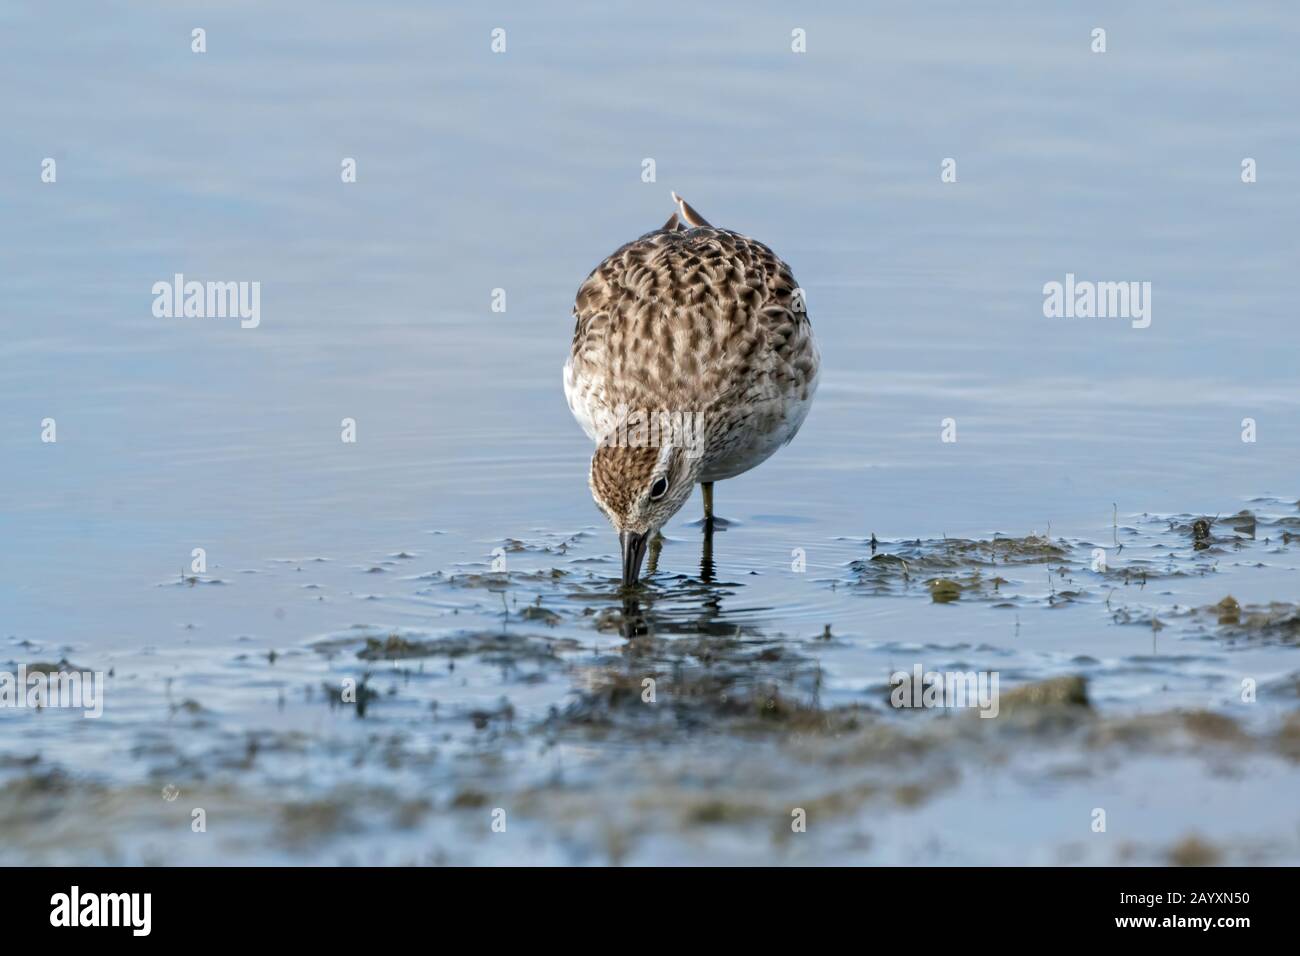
[{"x": 693, "y": 360}]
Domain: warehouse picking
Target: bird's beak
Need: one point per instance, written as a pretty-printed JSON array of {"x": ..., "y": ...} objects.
[{"x": 634, "y": 547}]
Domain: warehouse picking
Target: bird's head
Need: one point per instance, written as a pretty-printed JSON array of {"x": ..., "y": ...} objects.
[{"x": 639, "y": 488}]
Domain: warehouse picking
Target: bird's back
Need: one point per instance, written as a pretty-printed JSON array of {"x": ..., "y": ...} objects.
[{"x": 697, "y": 320}]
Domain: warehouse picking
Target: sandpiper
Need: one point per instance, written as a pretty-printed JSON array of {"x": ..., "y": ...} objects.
[{"x": 693, "y": 360}]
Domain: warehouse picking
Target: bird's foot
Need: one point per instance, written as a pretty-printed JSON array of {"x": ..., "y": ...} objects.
[{"x": 715, "y": 523}]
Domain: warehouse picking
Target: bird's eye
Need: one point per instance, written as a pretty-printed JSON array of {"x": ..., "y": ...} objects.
[{"x": 658, "y": 489}]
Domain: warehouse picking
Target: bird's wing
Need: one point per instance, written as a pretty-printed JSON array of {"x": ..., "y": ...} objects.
[{"x": 682, "y": 317}]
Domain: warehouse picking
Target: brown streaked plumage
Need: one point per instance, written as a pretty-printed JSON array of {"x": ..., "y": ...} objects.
[
  {"x": 705, "y": 326},
  {"x": 619, "y": 473}
]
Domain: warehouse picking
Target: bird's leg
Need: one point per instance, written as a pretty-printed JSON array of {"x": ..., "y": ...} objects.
[{"x": 710, "y": 522}]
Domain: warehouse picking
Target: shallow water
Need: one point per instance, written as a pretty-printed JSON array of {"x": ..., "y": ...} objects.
[{"x": 521, "y": 689}]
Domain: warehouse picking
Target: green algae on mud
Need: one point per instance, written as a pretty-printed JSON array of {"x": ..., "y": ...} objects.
[
  {"x": 492, "y": 646},
  {"x": 1000, "y": 568},
  {"x": 939, "y": 563},
  {"x": 917, "y": 556},
  {"x": 1070, "y": 690},
  {"x": 1277, "y": 621}
]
